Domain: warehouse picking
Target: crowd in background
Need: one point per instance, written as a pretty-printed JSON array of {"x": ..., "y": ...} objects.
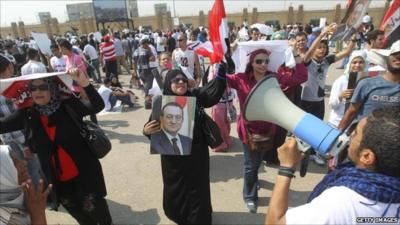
[{"x": 157, "y": 60}]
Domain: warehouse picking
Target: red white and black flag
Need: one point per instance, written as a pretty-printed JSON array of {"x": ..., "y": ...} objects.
[{"x": 391, "y": 23}]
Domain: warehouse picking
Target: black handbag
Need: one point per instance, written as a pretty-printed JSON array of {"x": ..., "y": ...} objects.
[
  {"x": 210, "y": 130},
  {"x": 94, "y": 136}
]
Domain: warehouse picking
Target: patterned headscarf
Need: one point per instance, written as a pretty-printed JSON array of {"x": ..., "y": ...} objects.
[{"x": 55, "y": 100}]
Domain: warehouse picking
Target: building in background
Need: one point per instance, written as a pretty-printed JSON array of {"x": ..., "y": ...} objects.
[
  {"x": 43, "y": 16},
  {"x": 160, "y": 8},
  {"x": 132, "y": 8},
  {"x": 80, "y": 11}
]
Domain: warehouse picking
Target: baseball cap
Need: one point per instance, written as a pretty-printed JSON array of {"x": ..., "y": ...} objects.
[{"x": 395, "y": 48}]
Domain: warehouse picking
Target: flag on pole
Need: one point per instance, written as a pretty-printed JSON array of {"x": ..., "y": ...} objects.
[
  {"x": 218, "y": 31},
  {"x": 392, "y": 21}
]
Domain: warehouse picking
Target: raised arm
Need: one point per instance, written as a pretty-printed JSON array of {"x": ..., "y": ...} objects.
[
  {"x": 12, "y": 122},
  {"x": 210, "y": 94},
  {"x": 329, "y": 29},
  {"x": 96, "y": 103},
  {"x": 347, "y": 51},
  {"x": 299, "y": 76}
]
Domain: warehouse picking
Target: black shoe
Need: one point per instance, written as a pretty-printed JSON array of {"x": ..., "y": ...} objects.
[{"x": 252, "y": 206}]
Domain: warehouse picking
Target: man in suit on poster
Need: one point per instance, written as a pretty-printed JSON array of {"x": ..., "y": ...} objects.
[{"x": 168, "y": 141}]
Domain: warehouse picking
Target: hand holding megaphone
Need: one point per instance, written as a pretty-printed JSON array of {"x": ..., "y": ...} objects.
[{"x": 288, "y": 154}]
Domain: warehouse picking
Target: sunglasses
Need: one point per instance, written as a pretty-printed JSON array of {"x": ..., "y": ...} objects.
[
  {"x": 261, "y": 61},
  {"x": 42, "y": 87},
  {"x": 181, "y": 40},
  {"x": 179, "y": 79}
]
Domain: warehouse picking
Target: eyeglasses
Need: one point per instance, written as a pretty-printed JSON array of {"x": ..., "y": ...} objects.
[
  {"x": 179, "y": 79},
  {"x": 42, "y": 87},
  {"x": 261, "y": 61}
]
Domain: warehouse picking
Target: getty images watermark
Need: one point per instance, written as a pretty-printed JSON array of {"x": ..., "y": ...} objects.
[{"x": 375, "y": 220}]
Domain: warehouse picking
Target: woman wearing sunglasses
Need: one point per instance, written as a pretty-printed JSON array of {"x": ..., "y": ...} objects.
[
  {"x": 64, "y": 156},
  {"x": 257, "y": 69},
  {"x": 186, "y": 196}
]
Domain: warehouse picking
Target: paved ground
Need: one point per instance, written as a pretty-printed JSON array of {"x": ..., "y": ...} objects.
[{"x": 134, "y": 182}]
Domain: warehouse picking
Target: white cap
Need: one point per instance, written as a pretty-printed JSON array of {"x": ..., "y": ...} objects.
[{"x": 366, "y": 19}]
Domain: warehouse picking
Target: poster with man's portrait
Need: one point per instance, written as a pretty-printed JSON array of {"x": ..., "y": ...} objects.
[
  {"x": 351, "y": 21},
  {"x": 176, "y": 117}
]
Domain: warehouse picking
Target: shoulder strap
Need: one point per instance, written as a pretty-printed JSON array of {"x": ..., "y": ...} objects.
[{"x": 74, "y": 116}]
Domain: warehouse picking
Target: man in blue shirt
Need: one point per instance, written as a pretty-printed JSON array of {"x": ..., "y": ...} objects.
[{"x": 376, "y": 92}]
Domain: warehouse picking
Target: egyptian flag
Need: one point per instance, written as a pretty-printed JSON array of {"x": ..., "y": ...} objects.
[
  {"x": 218, "y": 32},
  {"x": 392, "y": 22}
]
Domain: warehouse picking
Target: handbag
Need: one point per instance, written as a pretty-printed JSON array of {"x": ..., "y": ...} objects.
[
  {"x": 210, "y": 129},
  {"x": 94, "y": 136},
  {"x": 260, "y": 142}
]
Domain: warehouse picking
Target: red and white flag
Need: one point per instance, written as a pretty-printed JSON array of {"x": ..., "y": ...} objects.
[
  {"x": 392, "y": 21},
  {"x": 218, "y": 31}
]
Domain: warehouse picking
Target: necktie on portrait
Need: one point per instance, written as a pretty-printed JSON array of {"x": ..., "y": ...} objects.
[{"x": 175, "y": 146}]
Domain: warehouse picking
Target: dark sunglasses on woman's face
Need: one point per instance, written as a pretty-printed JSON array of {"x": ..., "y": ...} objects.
[
  {"x": 179, "y": 79},
  {"x": 261, "y": 61},
  {"x": 42, "y": 87}
]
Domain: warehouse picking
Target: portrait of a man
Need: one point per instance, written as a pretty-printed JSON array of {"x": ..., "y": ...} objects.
[
  {"x": 354, "y": 19},
  {"x": 168, "y": 141}
]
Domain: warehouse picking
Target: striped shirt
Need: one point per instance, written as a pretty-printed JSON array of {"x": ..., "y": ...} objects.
[{"x": 107, "y": 49}]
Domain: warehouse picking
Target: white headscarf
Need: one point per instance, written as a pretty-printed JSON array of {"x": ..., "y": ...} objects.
[
  {"x": 355, "y": 54},
  {"x": 11, "y": 195}
]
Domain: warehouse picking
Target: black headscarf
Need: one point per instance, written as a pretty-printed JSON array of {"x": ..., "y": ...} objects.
[
  {"x": 167, "y": 83},
  {"x": 55, "y": 100}
]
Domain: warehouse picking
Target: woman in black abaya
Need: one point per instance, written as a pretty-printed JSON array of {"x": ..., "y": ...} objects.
[{"x": 186, "y": 196}]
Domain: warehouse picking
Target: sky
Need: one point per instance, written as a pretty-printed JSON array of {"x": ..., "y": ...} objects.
[{"x": 27, "y": 10}]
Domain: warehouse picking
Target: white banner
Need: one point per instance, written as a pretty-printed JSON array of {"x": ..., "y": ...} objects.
[{"x": 280, "y": 50}]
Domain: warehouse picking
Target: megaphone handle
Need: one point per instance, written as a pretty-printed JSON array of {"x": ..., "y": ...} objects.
[{"x": 304, "y": 163}]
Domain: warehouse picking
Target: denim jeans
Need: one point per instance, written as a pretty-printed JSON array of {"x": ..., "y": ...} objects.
[
  {"x": 252, "y": 161},
  {"x": 96, "y": 65}
]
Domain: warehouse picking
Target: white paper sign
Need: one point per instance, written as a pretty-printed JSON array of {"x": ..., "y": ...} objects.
[
  {"x": 97, "y": 36},
  {"x": 43, "y": 41},
  {"x": 322, "y": 22},
  {"x": 176, "y": 21}
]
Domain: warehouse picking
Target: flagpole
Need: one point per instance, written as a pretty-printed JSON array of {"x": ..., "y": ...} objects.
[{"x": 173, "y": 3}]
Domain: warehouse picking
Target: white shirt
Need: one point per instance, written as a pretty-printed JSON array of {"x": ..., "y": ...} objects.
[
  {"x": 58, "y": 64},
  {"x": 185, "y": 59},
  {"x": 90, "y": 51},
  {"x": 178, "y": 141},
  {"x": 160, "y": 44},
  {"x": 153, "y": 64},
  {"x": 33, "y": 67},
  {"x": 337, "y": 111},
  {"x": 339, "y": 205},
  {"x": 105, "y": 93}
]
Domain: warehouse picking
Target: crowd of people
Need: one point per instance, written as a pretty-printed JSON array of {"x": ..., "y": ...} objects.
[{"x": 48, "y": 163}]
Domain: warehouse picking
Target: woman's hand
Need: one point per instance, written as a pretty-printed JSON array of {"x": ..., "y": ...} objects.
[
  {"x": 80, "y": 77},
  {"x": 346, "y": 94},
  {"x": 151, "y": 127}
]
